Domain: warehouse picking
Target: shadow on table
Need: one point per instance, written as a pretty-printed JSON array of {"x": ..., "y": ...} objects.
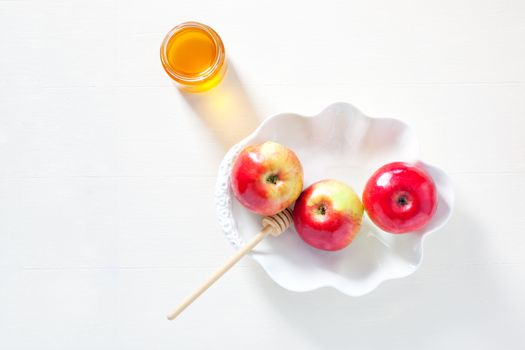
[
  {"x": 225, "y": 109},
  {"x": 430, "y": 309}
]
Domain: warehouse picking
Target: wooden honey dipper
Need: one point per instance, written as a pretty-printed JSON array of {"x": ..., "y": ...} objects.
[{"x": 273, "y": 225}]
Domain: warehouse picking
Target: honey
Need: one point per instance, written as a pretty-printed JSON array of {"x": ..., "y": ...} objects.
[{"x": 193, "y": 55}]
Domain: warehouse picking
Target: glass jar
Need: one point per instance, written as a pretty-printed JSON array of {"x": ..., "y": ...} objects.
[{"x": 193, "y": 55}]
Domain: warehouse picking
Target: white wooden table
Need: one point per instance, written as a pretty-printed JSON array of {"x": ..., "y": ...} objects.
[{"x": 107, "y": 172}]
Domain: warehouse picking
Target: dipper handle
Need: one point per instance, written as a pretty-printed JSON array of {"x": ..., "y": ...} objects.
[{"x": 274, "y": 225}]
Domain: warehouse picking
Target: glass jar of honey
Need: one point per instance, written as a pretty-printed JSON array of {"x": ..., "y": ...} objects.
[{"x": 193, "y": 56}]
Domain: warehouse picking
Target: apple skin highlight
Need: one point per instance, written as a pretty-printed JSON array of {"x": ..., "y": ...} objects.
[{"x": 267, "y": 178}]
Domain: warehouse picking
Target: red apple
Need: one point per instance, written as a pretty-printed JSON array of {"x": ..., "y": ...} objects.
[
  {"x": 400, "y": 197},
  {"x": 328, "y": 215},
  {"x": 267, "y": 178}
]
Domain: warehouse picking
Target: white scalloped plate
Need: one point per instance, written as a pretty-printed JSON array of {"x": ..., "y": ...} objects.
[{"x": 339, "y": 143}]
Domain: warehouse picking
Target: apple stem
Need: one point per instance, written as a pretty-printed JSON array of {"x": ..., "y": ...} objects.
[{"x": 272, "y": 179}]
